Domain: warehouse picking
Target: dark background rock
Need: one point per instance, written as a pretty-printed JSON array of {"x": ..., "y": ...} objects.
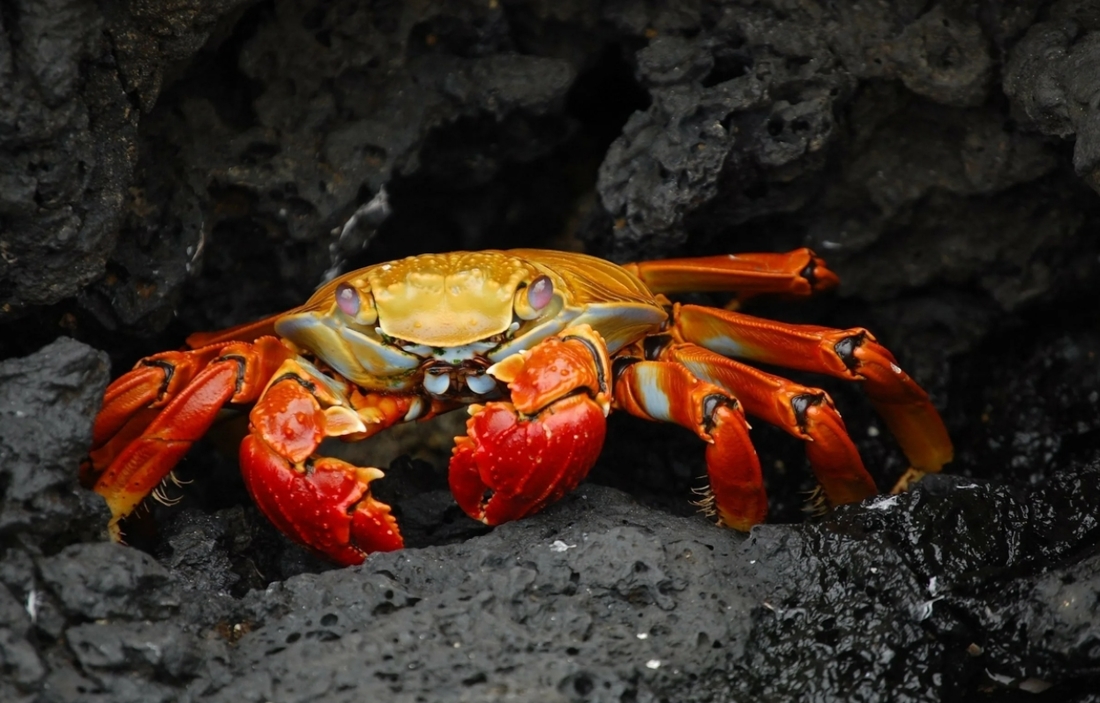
[
  {"x": 45, "y": 403},
  {"x": 171, "y": 167}
]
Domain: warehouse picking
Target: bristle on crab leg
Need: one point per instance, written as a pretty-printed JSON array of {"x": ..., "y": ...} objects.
[
  {"x": 668, "y": 391},
  {"x": 806, "y": 413},
  {"x": 153, "y": 415}
]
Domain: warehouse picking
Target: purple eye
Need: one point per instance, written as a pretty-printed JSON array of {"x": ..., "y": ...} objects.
[
  {"x": 540, "y": 292},
  {"x": 348, "y": 299}
]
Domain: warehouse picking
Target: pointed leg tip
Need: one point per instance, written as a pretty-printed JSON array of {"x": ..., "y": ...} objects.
[
  {"x": 740, "y": 523},
  {"x": 908, "y": 480}
]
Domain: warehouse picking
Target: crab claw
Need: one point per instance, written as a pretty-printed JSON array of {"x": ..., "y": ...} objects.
[
  {"x": 322, "y": 503},
  {"x": 328, "y": 508},
  {"x": 510, "y": 465}
]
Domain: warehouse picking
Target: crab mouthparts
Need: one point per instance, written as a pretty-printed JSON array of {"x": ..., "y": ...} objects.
[
  {"x": 457, "y": 381},
  {"x": 437, "y": 383}
]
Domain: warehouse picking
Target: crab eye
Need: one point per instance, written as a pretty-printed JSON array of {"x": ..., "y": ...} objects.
[
  {"x": 533, "y": 299},
  {"x": 540, "y": 292},
  {"x": 347, "y": 298}
]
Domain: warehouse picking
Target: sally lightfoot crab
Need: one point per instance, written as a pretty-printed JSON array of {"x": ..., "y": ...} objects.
[{"x": 539, "y": 346}]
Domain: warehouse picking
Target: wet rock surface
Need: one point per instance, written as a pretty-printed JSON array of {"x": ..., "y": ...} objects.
[{"x": 170, "y": 167}]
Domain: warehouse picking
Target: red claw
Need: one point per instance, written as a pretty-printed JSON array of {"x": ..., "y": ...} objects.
[
  {"x": 328, "y": 508},
  {"x": 510, "y": 465},
  {"x": 320, "y": 502}
]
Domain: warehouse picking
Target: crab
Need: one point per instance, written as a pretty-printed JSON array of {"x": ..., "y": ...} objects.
[{"x": 539, "y": 346}]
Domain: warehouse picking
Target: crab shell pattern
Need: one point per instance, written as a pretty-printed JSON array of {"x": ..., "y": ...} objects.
[{"x": 539, "y": 346}]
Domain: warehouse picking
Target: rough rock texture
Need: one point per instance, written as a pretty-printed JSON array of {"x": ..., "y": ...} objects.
[
  {"x": 325, "y": 105},
  {"x": 45, "y": 403},
  {"x": 73, "y": 80},
  {"x": 873, "y": 132},
  {"x": 1051, "y": 78},
  {"x": 169, "y": 167}
]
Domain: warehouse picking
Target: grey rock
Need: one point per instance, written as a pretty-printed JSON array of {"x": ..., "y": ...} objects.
[
  {"x": 1051, "y": 76},
  {"x": 549, "y": 606},
  {"x": 47, "y": 402},
  {"x": 18, "y": 658},
  {"x": 67, "y": 144},
  {"x": 149, "y": 648},
  {"x": 105, "y": 580}
]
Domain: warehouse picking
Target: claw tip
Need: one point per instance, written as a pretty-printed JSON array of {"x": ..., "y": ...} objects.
[{"x": 366, "y": 474}]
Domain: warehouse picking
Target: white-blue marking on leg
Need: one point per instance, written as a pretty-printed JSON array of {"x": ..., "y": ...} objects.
[
  {"x": 724, "y": 345},
  {"x": 655, "y": 399}
]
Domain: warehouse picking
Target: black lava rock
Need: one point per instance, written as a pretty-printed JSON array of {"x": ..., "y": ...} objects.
[{"x": 46, "y": 402}]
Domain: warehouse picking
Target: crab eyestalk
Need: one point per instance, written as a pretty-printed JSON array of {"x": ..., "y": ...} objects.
[{"x": 533, "y": 299}]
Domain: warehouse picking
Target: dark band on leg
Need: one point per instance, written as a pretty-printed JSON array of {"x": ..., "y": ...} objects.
[
  {"x": 169, "y": 372},
  {"x": 595, "y": 355}
]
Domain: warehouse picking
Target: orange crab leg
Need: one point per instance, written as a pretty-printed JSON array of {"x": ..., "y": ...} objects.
[
  {"x": 806, "y": 413},
  {"x": 320, "y": 502},
  {"x": 158, "y": 410},
  {"x": 668, "y": 391},
  {"x": 153, "y": 382},
  {"x": 851, "y": 354},
  {"x": 519, "y": 456},
  {"x": 797, "y": 273}
]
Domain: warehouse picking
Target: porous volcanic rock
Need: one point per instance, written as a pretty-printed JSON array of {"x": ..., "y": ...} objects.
[{"x": 598, "y": 598}]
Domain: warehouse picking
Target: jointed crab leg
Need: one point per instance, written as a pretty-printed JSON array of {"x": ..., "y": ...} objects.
[
  {"x": 796, "y": 273},
  {"x": 851, "y": 354},
  {"x": 806, "y": 413},
  {"x": 152, "y": 416},
  {"x": 668, "y": 391}
]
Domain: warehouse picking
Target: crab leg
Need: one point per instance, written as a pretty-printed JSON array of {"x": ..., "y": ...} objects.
[
  {"x": 806, "y": 413},
  {"x": 519, "y": 456},
  {"x": 152, "y": 415},
  {"x": 668, "y": 391},
  {"x": 797, "y": 273},
  {"x": 851, "y": 354},
  {"x": 320, "y": 502}
]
